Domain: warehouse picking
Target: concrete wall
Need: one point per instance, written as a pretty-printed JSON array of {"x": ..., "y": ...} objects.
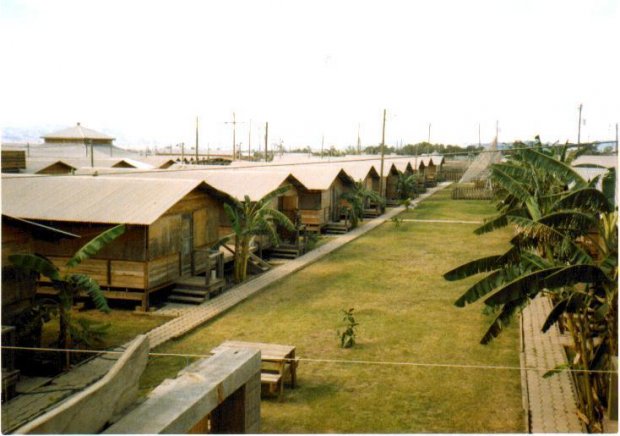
[
  {"x": 90, "y": 410},
  {"x": 221, "y": 393}
]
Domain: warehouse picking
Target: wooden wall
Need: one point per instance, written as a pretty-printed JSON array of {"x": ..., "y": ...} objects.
[
  {"x": 13, "y": 160},
  {"x": 144, "y": 257},
  {"x": 129, "y": 246},
  {"x": 18, "y": 288}
]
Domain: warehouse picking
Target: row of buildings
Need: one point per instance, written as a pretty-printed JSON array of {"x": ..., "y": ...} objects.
[{"x": 174, "y": 212}]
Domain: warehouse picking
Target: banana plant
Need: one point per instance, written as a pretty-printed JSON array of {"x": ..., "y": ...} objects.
[
  {"x": 406, "y": 185},
  {"x": 565, "y": 246},
  {"x": 252, "y": 218},
  {"x": 70, "y": 285},
  {"x": 357, "y": 199}
]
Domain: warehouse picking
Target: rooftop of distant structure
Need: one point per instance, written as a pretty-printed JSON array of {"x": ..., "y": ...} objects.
[{"x": 78, "y": 134}]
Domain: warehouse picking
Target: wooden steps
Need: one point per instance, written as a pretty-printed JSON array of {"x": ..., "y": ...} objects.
[
  {"x": 286, "y": 251},
  {"x": 337, "y": 228},
  {"x": 194, "y": 289},
  {"x": 257, "y": 265},
  {"x": 371, "y": 213}
]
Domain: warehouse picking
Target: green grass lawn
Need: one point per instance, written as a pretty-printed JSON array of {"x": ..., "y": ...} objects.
[
  {"x": 123, "y": 328},
  {"x": 392, "y": 277},
  {"x": 441, "y": 206}
]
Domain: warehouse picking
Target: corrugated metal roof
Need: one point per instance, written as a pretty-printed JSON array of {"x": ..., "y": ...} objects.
[
  {"x": 237, "y": 183},
  {"x": 317, "y": 177},
  {"x": 108, "y": 200},
  {"x": 603, "y": 160},
  {"x": 359, "y": 170},
  {"x": 34, "y": 166},
  {"x": 77, "y": 132}
]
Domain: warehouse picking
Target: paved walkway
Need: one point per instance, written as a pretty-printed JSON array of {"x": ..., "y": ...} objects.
[
  {"x": 190, "y": 317},
  {"x": 410, "y": 220},
  {"x": 550, "y": 403}
]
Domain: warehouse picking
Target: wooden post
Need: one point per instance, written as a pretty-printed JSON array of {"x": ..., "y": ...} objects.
[
  {"x": 234, "y": 150},
  {"x": 579, "y": 126},
  {"x": 92, "y": 156},
  {"x": 382, "y": 154},
  {"x": 208, "y": 267},
  {"x": 266, "y": 137},
  {"x": 196, "y": 139},
  {"x": 250, "y": 141}
]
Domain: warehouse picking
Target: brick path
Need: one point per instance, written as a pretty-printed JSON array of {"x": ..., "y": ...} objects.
[
  {"x": 191, "y": 317},
  {"x": 550, "y": 402}
]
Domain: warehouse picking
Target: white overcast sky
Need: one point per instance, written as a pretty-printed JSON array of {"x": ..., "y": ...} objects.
[{"x": 143, "y": 70}]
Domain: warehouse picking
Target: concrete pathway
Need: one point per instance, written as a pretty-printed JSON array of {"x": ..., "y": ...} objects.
[
  {"x": 190, "y": 317},
  {"x": 441, "y": 221},
  {"x": 550, "y": 403}
]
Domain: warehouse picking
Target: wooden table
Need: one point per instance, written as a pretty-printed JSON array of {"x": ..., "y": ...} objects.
[{"x": 282, "y": 355}]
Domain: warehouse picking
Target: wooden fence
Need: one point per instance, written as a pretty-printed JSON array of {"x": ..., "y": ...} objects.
[{"x": 471, "y": 193}]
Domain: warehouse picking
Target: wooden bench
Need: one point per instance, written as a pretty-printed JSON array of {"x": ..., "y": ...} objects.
[{"x": 274, "y": 383}]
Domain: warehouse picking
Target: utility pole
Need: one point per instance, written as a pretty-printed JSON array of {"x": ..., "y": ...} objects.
[
  {"x": 250, "y": 142},
  {"x": 616, "y": 138},
  {"x": 479, "y": 139},
  {"x": 28, "y": 145},
  {"x": 383, "y": 153},
  {"x": 496, "y": 132},
  {"x": 266, "y": 136},
  {"x": 429, "y": 134},
  {"x": 92, "y": 156},
  {"x": 182, "y": 152},
  {"x": 579, "y": 126},
  {"x": 234, "y": 123},
  {"x": 322, "y": 144},
  {"x": 196, "y": 139},
  {"x": 359, "y": 141}
]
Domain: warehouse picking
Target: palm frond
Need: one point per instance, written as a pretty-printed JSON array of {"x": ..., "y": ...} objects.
[
  {"x": 80, "y": 282},
  {"x": 570, "y": 304},
  {"x": 492, "y": 224},
  {"x": 233, "y": 216},
  {"x": 517, "y": 172},
  {"x": 584, "y": 198},
  {"x": 574, "y": 274},
  {"x": 514, "y": 187},
  {"x": 273, "y": 194},
  {"x": 281, "y": 219},
  {"x": 486, "y": 285},
  {"x": 502, "y": 320},
  {"x": 609, "y": 186},
  {"x": 35, "y": 263},
  {"x": 93, "y": 246},
  {"x": 553, "y": 166},
  {"x": 474, "y": 267},
  {"x": 569, "y": 219},
  {"x": 525, "y": 286}
]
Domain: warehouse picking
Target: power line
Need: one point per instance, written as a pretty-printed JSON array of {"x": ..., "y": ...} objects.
[{"x": 334, "y": 361}]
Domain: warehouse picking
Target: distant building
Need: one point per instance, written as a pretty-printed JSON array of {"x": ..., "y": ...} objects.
[{"x": 78, "y": 135}]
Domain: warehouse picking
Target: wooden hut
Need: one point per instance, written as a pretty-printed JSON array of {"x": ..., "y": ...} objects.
[
  {"x": 391, "y": 182},
  {"x": 226, "y": 184},
  {"x": 170, "y": 226},
  {"x": 366, "y": 173},
  {"x": 319, "y": 203}
]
